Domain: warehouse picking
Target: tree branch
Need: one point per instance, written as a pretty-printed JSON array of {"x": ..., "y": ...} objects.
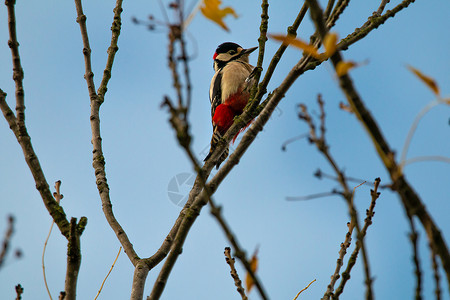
[
  {"x": 410, "y": 200},
  {"x": 321, "y": 144},
  {"x": 17, "y": 67},
  {"x": 17, "y": 125},
  {"x": 372, "y": 23},
  {"x": 413, "y": 236},
  {"x": 6, "y": 240},
  {"x": 73, "y": 257},
  {"x": 96, "y": 100},
  {"x": 234, "y": 274}
]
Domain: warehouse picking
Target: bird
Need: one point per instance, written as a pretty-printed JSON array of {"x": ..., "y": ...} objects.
[{"x": 229, "y": 91}]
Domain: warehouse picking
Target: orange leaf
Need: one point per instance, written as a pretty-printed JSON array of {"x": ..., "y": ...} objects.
[
  {"x": 253, "y": 266},
  {"x": 343, "y": 67},
  {"x": 430, "y": 82},
  {"x": 330, "y": 44},
  {"x": 212, "y": 11},
  {"x": 290, "y": 40}
]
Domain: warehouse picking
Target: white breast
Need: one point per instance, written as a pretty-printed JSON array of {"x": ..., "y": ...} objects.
[{"x": 233, "y": 76}]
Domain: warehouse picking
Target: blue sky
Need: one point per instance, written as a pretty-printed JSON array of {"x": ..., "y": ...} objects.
[{"x": 298, "y": 241}]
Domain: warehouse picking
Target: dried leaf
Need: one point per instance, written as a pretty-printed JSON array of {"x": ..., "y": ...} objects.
[
  {"x": 253, "y": 266},
  {"x": 345, "y": 107},
  {"x": 290, "y": 40},
  {"x": 212, "y": 11},
  {"x": 430, "y": 82},
  {"x": 330, "y": 44},
  {"x": 343, "y": 67}
]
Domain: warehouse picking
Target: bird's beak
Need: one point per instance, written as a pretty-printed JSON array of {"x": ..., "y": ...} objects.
[{"x": 249, "y": 50}]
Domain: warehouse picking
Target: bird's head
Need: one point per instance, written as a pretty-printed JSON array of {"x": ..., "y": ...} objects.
[{"x": 227, "y": 52}]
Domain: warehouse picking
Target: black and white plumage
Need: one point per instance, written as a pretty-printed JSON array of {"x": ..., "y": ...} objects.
[{"x": 229, "y": 90}]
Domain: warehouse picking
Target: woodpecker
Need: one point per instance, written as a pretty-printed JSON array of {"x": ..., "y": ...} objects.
[{"x": 229, "y": 90}]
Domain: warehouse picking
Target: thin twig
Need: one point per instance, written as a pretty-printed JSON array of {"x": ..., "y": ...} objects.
[
  {"x": 43, "y": 261},
  {"x": 234, "y": 274},
  {"x": 413, "y": 128},
  {"x": 426, "y": 158},
  {"x": 295, "y": 298},
  {"x": 413, "y": 236},
  {"x": 58, "y": 196},
  {"x": 337, "y": 12},
  {"x": 7, "y": 240},
  {"x": 17, "y": 67},
  {"x": 372, "y": 23},
  {"x": 382, "y": 6},
  {"x": 340, "y": 261},
  {"x": 107, "y": 275},
  {"x": 262, "y": 87},
  {"x": 352, "y": 260},
  {"x": 328, "y": 9},
  {"x": 437, "y": 278},
  {"x": 291, "y": 140},
  {"x": 313, "y": 196}
]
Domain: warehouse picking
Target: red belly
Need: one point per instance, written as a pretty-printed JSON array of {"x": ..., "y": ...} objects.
[
  {"x": 223, "y": 117},
  {"x": 238, "y": 101},
  {"x": 225, "y": 113}
]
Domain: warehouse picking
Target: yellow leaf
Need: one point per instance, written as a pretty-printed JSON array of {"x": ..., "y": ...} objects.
[
  {"x": 343, "y": 67},
  {"x": 212, "y": 11},
  {"x": 330, "y": 44},
  {"x": 253, "y": 266},
  {"x": 430, "y": 82},
  {"x": 290, "y": 40}
]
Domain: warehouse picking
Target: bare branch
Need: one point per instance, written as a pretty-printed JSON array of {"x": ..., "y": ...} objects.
[
  {"x": 437, "y": 279},
  {"x": 352, "y": 260},
  {"x": 6, "y": 240},
  {"x": 96, "y": 101},
  {"x": 372, "y": 23},
  {"x": 319, "y": 140},
  {"x": 239, "y": 252},
  {"x": 413, "y": 236},
  {"x": 292, "y": 30},
  {"x": 382, "y": 6},
  {"x": 340, "y": 262},
  {"x": 17, "y": 125},
  {"x": 337, "y": 12},
  {"x": 234, "y": 274},
  {"x": 411, "y": 201},
  {"x": 17, "y": 67}
]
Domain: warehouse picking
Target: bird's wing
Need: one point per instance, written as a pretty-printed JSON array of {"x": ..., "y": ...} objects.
[{"x": 215, "y": 94}]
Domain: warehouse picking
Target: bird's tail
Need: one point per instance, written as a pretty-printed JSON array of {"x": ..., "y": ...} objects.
[{"x": 214, "y": 141}]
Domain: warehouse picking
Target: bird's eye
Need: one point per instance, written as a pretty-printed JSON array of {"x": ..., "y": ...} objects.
[{"x": 231, "y": 52}]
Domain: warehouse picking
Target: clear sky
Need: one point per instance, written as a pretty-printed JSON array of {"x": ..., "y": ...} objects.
[{"x": 298, "y": 240}]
